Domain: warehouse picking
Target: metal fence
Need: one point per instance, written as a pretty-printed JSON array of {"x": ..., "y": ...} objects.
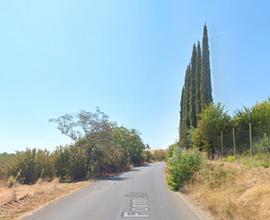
[{"x": 238, "y": 141}]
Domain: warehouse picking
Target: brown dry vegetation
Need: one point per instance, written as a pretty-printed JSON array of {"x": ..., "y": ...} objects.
[
  {"x": 17, "y": 201},
  {"x": 231, "y": 191}
]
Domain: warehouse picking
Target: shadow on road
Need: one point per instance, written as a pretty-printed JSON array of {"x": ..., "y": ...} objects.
[{"x": 115, "y": 178}]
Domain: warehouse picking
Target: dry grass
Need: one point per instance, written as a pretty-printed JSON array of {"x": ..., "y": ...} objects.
[
  {"x": 232, "y": 191},
  {"x": 18, "y": 201}
]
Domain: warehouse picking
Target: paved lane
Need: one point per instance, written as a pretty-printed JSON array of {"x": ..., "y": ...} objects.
[{"x": 138, "y": 194}]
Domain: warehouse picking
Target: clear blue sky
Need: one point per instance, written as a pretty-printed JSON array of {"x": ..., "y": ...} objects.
[{"x": 128, "y": 57}]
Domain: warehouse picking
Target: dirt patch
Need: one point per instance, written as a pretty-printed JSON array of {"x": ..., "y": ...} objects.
[
  {"x": 22, "y": 199},
  {"x": 231, "y": 191}
]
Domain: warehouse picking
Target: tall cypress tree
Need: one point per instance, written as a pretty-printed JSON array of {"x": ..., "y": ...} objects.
[
  {"x": 198, "y": 79},
  {"x": 192, "y": 87},
  {"x": 188, "y": 96},
  {"x": 182, "y": 125},
  {"x": 206, "y": 87},
  {"x": 185, "y": 109},
  {"x": 197, "y": 89}
]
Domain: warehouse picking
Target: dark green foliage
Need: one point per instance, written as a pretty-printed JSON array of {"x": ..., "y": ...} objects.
[
  {"x": 185, "y": 110},
  {"x": 197, "y": 89},
  {"x": 198, "y": 79},
  {"x": 181, "y": 167},
  {"x": 206, "y": 87},
  {"x": 192, "y": 88}
]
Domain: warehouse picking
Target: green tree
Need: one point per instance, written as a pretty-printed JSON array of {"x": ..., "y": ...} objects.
[
  {"x": 206, "y": 87},
  {"x": 185, "y": 110},
  {"x": 100, "y": 145},
  {"x": 192, "y": 88},
  {"x": 198, "y": 79},
  {"x": 213, "y": 119},
  {"x": 197, "y": 90}
]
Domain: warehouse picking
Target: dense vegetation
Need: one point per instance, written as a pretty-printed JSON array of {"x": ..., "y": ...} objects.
[
  {"x": 100, "y": 147},
  {"x": 197, "y": 89},
  {"x": 207, "y": 127},
  {"x": 181, "y": 167},
  {"x": 214, "y": 120}
]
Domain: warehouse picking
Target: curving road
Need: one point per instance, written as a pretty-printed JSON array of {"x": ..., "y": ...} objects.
[{"x": 138, "y": 194}]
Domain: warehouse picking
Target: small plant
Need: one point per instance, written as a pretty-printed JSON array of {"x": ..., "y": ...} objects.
[
  {"x": 230, "y": 158},
  {"x": 11, "y": 181},
  {"x": 229, "y": 209}
]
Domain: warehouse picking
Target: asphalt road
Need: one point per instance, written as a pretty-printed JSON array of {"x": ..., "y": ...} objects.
[{"x": 138, "y": 194}]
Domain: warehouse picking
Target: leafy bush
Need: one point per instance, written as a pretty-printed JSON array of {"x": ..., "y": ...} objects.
[
  {"x": 213, "y": 119},
  {"x": 181, "y": 167},
  {"x": 263, "y": 145}
]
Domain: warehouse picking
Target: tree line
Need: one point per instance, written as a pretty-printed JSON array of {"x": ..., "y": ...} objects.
[{"x": 99, "y": 147}]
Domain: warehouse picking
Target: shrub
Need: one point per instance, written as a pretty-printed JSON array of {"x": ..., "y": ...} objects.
[
  {"x": 181, "y": 166},
  {"x": 158, "y": 155},
  {"x": 213, "y": 119},
  {"x": 61, "y": 162},
  {"x": 230, "y": 158},
  {"x": 216, "y": 175},
  {"x": 31, "y": 165},
  {"x": 263, "y": 145}
]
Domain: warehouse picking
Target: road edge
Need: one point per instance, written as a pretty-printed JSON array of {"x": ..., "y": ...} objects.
[
  {"x": 195, "y": 209},
  {"x": 202, "y": 215},
  {"x": 41, "y": 206}
]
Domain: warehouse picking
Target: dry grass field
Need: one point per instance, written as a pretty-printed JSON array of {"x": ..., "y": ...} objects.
[
  {"x": 22, "y": 199},
  {"x": 231, "y": 191}
]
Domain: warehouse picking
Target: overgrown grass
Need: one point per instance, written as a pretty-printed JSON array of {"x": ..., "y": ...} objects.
[
  {"x": 231, "y": 191},
  {"x": 257, "y": 160},
  {"x": 215, "y": 175}
]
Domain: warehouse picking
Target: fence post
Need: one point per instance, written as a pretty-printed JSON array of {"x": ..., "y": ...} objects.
[
  {"x": 250, "y": 139},
  {"x": 221, "y": 142},
  {"x": 233, "y": 142}
]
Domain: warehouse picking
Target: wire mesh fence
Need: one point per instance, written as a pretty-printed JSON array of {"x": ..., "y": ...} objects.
[{"x": 241, "y": 140}]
